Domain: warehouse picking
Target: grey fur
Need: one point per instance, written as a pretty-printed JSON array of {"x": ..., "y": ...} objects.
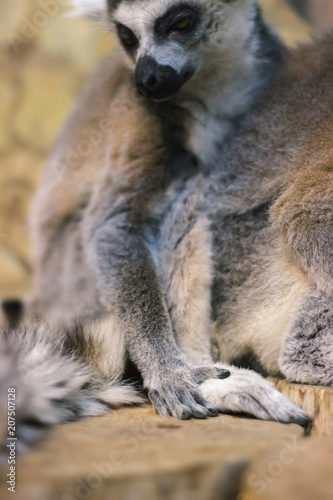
[
  {"x": 307, "y": 354},
  {"x": 46, "y": 365},
  {"x": 273, "y": 275},
  {"x": 124, "y": 253}
]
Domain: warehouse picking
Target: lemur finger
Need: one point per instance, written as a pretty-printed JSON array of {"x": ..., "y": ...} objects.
[
  {"x": 204, "y": 373},
  {"x": 283, "y": 410},
  {"x": 159, "y": 403},
  {"x": 212, "y": 409},
  {"x": 302, "y": 419},
  {"x": 187, "y": 399},
  {"x": 178, "y": 410}
]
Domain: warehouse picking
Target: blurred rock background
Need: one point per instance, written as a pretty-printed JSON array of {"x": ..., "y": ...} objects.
[{"x": 44, "y": 60}]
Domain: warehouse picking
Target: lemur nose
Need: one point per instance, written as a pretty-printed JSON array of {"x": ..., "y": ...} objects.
[
  {"x": 147, "y": 86},
  {"x": 151, "y": 81},
  {"x": 146, "y": 76},
  {"x": 155, "y": 80}
]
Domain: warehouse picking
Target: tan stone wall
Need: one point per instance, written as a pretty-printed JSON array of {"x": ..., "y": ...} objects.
[{"x": 44, "y": 60}]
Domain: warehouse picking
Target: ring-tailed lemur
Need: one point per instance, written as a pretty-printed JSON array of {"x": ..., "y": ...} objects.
[{"x": 122, "y": 245}]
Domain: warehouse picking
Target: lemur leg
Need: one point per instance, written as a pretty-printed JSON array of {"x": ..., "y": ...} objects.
[
  {"x": 308, "y": 347},
  {"x": 187, "y": 265},
  {"x": 304, "y": 217},
  {"x": 187, "y": 272}
]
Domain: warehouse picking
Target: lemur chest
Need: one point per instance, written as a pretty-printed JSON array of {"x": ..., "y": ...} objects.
[{"x": 206, "y": 134}]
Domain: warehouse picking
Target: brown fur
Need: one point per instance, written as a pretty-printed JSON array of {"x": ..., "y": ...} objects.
[{"x": 279, "y": 284}]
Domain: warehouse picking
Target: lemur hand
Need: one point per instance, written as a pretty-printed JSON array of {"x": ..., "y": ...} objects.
[{"x": 178, "y": 395}]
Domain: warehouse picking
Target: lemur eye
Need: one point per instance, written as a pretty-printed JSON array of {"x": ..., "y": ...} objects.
[
  {"x": 127, "y": 37},
  {"x": 184, "y": 22}
]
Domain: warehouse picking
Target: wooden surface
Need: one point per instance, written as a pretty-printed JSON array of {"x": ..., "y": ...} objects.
[
  {"x": 316, "y": 401},
  {"x": 302, "y": 472},
  {"x": 134, "y": 454}
]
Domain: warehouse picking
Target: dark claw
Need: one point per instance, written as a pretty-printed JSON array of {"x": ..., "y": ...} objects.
[
  {"x": 189, "y": 405},
  {"x": 209, "y": 372},
  {"x": 308, "y": 428},
  {"x": 185, "y": 414},
  {"x": 302, "y": 420},
  {"x": 213, "y": 411},
  {"x": 307, "y": 424},
  {"x": 222, "y": 374}
]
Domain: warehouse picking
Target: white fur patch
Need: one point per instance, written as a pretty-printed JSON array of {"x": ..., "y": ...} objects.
[
  {"x": 141, "y": 16},
  {"x": 96, "y": 9}
]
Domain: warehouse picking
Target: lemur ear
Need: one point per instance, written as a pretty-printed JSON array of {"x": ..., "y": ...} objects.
[{"x": 95, "y": 9}]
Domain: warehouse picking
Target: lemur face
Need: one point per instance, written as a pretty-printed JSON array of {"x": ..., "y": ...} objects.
[
  {"x": 169, "y": 41},
  {"x": 161, "y": 37}
]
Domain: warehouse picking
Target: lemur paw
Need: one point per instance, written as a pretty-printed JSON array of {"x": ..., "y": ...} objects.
[
  {"x": 247, "y": 392},
  {"x": 179, "y": 396}
]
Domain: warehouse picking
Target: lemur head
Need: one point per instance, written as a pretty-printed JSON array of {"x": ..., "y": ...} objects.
[{"x": 169, "y": 42}]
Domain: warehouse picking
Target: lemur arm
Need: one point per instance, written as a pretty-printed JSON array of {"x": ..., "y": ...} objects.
[
  {"x": 127, "y": 279},
  {"x": 303, "y": 214}
]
